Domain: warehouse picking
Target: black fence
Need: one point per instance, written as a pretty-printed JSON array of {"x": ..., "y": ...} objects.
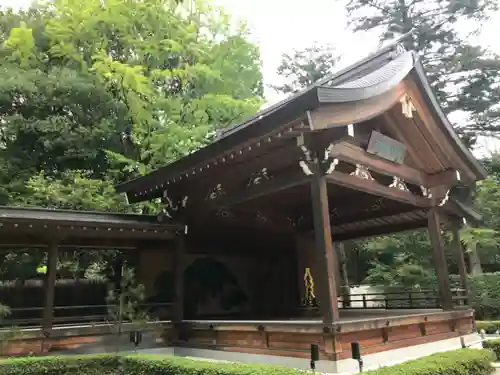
[
  {"x": 75, "y": 301},
  {"x": 67, "y": 292},
  {"x": 85, "y": 314},
  {"x": 419, "y": 299}
]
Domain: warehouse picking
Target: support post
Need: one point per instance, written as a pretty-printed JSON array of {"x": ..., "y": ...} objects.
[
  {"x": 439, "y": 259},
  {"x": 325, "y": 256},
  {"x": 49, "y": 288},
  {"x": 459, "y": 257},
  {"x": 178, "y": 313}
]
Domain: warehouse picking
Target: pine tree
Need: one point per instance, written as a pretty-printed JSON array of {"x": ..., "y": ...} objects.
[{"x": 464, "y": 76}]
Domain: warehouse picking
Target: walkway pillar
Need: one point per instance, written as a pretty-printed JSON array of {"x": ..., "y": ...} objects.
[
  {"x": 49, "y": 288},
  {"x": 178, "y": 311},
  {"x": 439, "y": 259}
]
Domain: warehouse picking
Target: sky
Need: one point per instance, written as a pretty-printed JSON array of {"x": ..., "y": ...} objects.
[{"x": 280, "y": 26}]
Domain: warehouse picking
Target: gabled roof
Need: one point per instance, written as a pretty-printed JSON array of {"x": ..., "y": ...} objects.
[{"x": 368, "y": 78}]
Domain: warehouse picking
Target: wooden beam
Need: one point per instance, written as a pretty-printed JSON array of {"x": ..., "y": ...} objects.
[
  {"x": 49, "y": 288},
  {"x": 439, "y": 259},
  {"x": 273, "y": 185},
  {"x": 340, "y": 114},
  {"x": 447, "y": 178},
  {"x": 22, "y": 240},
  {"x": 459, "y": 256},
  {"x": 380, "y": 230},
  {"x": 178, "y": 313},
  {"x": 374, "y": 188},
  {"x": 353, "y": 154},
  {"x": 325, "y": 256}
]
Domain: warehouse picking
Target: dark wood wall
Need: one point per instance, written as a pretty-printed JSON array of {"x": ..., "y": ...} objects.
[{"x": 233, "y": 276}]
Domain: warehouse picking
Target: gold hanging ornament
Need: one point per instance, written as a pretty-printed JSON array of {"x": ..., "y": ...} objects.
[{"x": 309, "y": 296}]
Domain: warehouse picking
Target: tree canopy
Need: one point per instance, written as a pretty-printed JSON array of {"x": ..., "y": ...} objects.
[
  {"x": 463, "y": 76},
  {"x": 108, "y": 90},
  {"x": 96, "y": 92}
]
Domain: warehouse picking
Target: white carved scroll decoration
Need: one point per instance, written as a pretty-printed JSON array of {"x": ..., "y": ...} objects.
[
  {"x": 399, "y": 184},
  {"x": 362, "y": 172},
  {"x": 258, "y": 177},
  {"x": 332, "y": 166},
  {"x": 426, "y": 192},
  {"x": 407, "y": 107},
  {"x": 215, "y": 192},
  {"x": 445, "y": 199}
]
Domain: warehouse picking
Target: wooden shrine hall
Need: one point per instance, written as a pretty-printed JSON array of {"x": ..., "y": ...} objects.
[{"x": 363, "y": 152}]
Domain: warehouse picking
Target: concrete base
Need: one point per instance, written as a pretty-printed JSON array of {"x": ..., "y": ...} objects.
[{"x": 346, "y": 366}]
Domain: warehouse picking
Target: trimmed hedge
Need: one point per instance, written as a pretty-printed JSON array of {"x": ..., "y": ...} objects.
[
  {"x": 133, "y": 365},
  {"x": 494, "y": 346},
  {"x": 458, "y": 362},
  {"x": 490, "y": 327}
]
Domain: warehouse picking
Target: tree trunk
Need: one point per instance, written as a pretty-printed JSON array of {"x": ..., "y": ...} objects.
[{"x": 345, "y": 279}]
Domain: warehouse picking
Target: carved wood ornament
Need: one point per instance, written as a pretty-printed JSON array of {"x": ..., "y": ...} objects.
[
  {"x": 399, "y": 184},
  {"x": 171, "y": 207},
  {"x": 407, "y": 107},
  {"x": 362, "y": 172},
  {"x": 215, "y": 192},
  {"x": 258, "y": 177}
]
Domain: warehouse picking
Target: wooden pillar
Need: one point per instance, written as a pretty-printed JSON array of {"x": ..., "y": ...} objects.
[
  {"x": 439, "y": 259},
  {"x": 178, "y": 312},
  {"x": 459, "y": 256},
  {"x": 49, "y": 287},
  {"x": 325, "y": 256}
]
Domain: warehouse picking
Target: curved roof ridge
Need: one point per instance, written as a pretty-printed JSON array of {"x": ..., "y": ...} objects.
[
  {"x": 374, "y": 83},
  {"x": 370, "y": 62}
]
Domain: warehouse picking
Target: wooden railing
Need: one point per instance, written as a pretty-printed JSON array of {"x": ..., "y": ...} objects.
[
  {"x": 32, "y": 316},
  {"x": 417, "y": 299}
]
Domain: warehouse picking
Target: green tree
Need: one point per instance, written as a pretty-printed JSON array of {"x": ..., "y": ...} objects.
[
  {"x": 114, "y": 89},
  {"x": 464, "y": 76},
  {"x": 302, "y": 68},
  {"x": 401, "y": 260},
  {"x": 97, "y": 92}
]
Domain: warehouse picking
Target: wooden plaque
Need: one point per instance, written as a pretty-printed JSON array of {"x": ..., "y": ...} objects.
[{"x": 386, "y": 148}]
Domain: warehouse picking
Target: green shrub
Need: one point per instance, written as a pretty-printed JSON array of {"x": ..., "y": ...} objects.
[
  {"x": 456, "y": 362},
  {"x": 484, "y": 291},
  {"x": 132, "y": 365},
  {"x": 494, "y": 346},
  {"x": 459, "y": 362},
  {"x": 489, "y": 326}
]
